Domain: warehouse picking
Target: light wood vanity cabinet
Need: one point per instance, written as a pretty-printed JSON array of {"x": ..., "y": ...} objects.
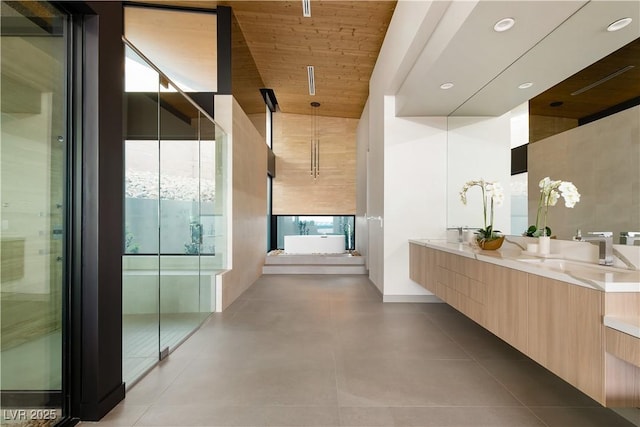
[
  {"x": 566, "y": 332},
  {"x": 622, "y": 357},
  {"x": 557, "y": 324},
  {"x": 423, "y": 266},
  {"x": 507, "y": 305},
  {"x": 492, "y": 296},
  {"x": 459, "y": 284}
]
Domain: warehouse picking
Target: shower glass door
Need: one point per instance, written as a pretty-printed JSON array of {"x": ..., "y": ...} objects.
[
  {"x": 176, "y": 226},
  {"x": 33, "y": 182},
  {"x": 181, "y": 230},
  {"x": 141, "y": 258}
]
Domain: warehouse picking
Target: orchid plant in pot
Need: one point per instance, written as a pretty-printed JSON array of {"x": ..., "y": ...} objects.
[
  {"x": 492, "y": 195},
  {"x": 550, "y": 192}
]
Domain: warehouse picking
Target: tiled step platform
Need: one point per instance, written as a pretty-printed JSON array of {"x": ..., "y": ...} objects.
[{"x": 277, "y": 262}]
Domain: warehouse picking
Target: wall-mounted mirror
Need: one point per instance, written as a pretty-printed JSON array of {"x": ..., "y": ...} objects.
[{"x": 598, "y": 157}]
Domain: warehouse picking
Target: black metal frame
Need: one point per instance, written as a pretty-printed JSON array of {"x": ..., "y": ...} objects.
[
  {"x": 54, "y": 399},
  {"x": 273, "y": 239}
]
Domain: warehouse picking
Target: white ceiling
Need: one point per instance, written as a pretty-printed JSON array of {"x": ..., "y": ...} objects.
[{"x": 550, "y": 41}]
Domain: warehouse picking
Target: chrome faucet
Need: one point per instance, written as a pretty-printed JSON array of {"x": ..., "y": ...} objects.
[
  {"x": 629, "y": 237},
  {"x": 605, "y": 244}
]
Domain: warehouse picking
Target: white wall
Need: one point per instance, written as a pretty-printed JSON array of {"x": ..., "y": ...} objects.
[
  {"x": 375, "y": 192},
  {"x": 407, "y": 173},
  {"x": 478, "y": 147},
  {"x": 362, "y": 153},
  {"x": 409, "y": 30},
  {"x": 415, "y": 159}
]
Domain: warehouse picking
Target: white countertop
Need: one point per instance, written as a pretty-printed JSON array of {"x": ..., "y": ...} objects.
[
  {"x": 628, "y": 325},
  {"x": 606, "y": 279}
]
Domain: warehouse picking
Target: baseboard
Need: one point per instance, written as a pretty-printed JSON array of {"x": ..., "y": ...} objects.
[{"x": 412, "y": 298}]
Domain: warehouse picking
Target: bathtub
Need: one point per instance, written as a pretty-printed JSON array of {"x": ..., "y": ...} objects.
[{"x": 323, "y": 244}]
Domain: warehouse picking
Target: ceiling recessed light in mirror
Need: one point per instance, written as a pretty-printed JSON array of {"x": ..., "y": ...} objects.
[
  {"x": 446, "y": 85},
  {"x": 619, "y": 24},
  {"x": 526, "y": 85},
  {"x": 504, "y": 24}
]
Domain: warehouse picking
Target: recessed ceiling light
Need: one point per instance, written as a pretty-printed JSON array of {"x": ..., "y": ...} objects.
[
  {"x": 526, "y": 85},
  {"x": 556, "y": 104},
  {"x": 446, "y": 85},
  {"x": 504, "y": 24},
  {"x": 619, "y": 24}
]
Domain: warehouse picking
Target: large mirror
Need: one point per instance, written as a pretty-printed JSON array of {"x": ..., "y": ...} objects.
[{"x": 600, "y": 156}]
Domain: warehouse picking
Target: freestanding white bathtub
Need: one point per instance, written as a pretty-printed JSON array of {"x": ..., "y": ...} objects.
[{"x": 324, "y": 244}]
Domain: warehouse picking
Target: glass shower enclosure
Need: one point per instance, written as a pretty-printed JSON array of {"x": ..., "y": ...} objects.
[
  {"x": 33, "y": 210},
  {"x": 175, "y": 218}
]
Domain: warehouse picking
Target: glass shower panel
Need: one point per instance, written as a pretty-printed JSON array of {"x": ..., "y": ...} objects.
[
  {"x": 141, "y": 259},
  {"x": 181, "y": 232},
  {"x": 33, "y": 175}
]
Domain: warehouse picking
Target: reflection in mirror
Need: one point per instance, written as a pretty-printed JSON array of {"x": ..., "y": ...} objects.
[
  {"x": 601, "y": 159},
  {"x": 599, "y": 151},
  {"x": 477, "y": 148},
  {"x": 585, "y": 130}
]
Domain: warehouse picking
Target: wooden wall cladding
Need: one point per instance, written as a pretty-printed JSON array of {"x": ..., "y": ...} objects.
[{"x": 295, "y": 192}]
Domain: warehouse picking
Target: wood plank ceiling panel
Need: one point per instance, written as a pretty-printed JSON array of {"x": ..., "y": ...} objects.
[{"x": 341, "y": 40}]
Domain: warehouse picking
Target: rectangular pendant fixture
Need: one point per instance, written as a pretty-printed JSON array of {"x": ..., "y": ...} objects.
[
  {"x": 312, "y": 80},
  {"x": 306, "y": 8}
]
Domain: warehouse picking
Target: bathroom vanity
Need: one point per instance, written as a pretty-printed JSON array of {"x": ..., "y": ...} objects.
[{"x": 579, "y": 320}]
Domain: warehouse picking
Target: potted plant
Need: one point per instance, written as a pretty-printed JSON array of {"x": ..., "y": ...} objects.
[
  {"x": 550, "y": 192},
  {"x": 492, "y": 195}
]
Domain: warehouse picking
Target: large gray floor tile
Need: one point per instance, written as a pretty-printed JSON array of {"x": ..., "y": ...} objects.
[
  {"x": 345, "y": 307},
  {"x": 319, "y": 306},
  {"x": 477, "y": 341},
  {"x": 396, "y": 334},
  {"x": 275, "y": 287},
  {"x": 216, "y": 415},
  {"x": 325, "y": 351},
  {"x": 275, "y": 344},
  {"x": 254, "y": 380},
  {"x": 438, "y": 416},
  {"x": 280, "y": 321},
  {"x": 395, "y": 382},
  {"x": 533, "y": 385},
  {"x": 366, "y": 416},
  {"x": 581, "y": 417},
  {"x": 149, "y": 388},
  {"x": 490, "y": 416},
  {"x": 123, "y": 415}
]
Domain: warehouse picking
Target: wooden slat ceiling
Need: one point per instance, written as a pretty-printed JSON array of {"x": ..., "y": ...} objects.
[{"x": 341, "y": 40}]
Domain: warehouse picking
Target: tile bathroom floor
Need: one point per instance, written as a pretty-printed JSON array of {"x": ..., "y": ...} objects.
[{"x": 303, "y": 350}]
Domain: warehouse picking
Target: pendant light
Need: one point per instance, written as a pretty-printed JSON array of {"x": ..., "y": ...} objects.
[{"x": 314, "y": 169}]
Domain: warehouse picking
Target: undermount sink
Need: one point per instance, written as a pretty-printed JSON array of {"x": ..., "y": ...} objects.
[{"x": 567, "y": 266}]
